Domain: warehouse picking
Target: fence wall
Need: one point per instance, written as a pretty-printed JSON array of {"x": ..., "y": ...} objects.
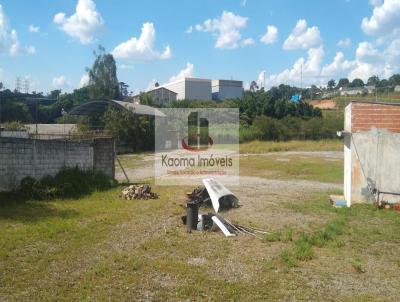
[{"x": 21, "y": 157}]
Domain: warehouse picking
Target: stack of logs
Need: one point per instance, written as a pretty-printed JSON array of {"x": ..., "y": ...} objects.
[{"x": 138, "y": 192}]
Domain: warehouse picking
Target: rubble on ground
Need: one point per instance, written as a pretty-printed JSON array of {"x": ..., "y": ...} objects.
[
  {"x": 138, "y": 192},
  {"x": 214, "y": 194}
]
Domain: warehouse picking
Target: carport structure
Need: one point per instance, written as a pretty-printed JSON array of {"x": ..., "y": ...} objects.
[{"x": 101, "y": 106}]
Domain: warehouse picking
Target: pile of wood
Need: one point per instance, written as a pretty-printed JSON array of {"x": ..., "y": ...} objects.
[{"x": 138, "y": 192}]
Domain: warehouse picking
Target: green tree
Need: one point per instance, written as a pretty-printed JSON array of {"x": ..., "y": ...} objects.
[
  {"x": 373, "y": 81},
  {"x": 103, "y": 81},
  {"x": 357, "y": 83},
  {"x": 394, "y": 80},
  {"x": 331, "y": 84},
  {"x": 383, "y": 83},
  {"x": 54, "y": 94},
  {"x": 343, "y": 83},
  {"x": 123, "y": 90},
  {"x": 253, "y": 86},
  {"x": 129, "y": 128}
]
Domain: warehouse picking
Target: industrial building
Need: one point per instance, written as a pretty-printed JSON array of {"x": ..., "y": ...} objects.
[
  {"x": 162, "y": 95},
  {"x": 371, "y": 152},
  {"x": 191, "y": 89},
  {"x": 196, "y": 89},
  {"x": 226, "y": 89}
]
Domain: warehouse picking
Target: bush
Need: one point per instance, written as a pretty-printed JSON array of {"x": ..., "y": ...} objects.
[
  {"x": 289, "y": 128},
  {"x": 68, "y": 183}
]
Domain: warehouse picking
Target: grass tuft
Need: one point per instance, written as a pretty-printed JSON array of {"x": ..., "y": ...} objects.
[
  {"x": 288, "y": 259},
  {"x": 303, "y": 248},
  {"x": 284, "y": 235}
]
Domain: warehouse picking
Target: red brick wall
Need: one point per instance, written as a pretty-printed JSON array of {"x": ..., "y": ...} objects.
[{"x": 364, "y": 116}]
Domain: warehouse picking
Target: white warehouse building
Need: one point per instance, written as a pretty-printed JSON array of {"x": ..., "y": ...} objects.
[
  {"x": 226, "y": 89},
  {"x": 191, "y": 89}
]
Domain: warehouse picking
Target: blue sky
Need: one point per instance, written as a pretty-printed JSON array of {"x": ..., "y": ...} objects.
[{"x": 50, "y": 42}]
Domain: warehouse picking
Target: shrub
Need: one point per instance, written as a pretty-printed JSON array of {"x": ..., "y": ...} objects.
[
  {"x": 68, "y": 183},
  {"x": 289, "y": 127}
]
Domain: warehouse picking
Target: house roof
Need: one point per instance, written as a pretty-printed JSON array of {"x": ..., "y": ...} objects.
[
  {"x": 100, "y": 106},
  {"x": 161, "y": 88}
]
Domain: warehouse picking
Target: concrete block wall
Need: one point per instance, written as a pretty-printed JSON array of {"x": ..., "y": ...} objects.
[
  {"x": 104, "y": 156},
  {"x": 20, "y": 157}
]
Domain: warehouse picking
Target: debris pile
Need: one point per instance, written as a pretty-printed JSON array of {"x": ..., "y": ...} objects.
[
  {"x": 138, "y": 192},
  {"x": 215, "y": 195},
  {"x": 387, "y": 206}
]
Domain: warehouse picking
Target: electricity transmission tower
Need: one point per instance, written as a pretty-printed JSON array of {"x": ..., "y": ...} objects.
[{"x": 18, "y": 84}]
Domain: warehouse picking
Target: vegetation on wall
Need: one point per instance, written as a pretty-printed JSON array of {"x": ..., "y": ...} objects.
[{"x": 68, "y": 183}]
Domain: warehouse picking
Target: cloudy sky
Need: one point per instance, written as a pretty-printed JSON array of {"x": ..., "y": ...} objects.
[{"x": 50, "y": 42}]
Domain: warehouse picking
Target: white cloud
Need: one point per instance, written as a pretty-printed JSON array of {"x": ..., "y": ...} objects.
[
  {"x": 189, "y": 30},
  {"x": 186, "y": 72},
  {"x": 338, "y": 67},
  {"x": 385, "y": 19},
  {"x": 9, "y": 42},
  {"x": 270, "y": 36},
  {"x": 60, "y": 82},
  {"x": 303, "y": 37},
  {"x": 30, "y": 50},
  {"x": 84, "y": 24},
  {"x": 84, "y": 81},
  {"x": 304, "y": 71},
  {"x": 344, "y": 43},
  {"x": 248, "y": 41},
  {"x": 366, "y": 51},
  {"x": 261, "y": 79},
  {"x": 226, "y": 30},
  {"x": 142, "y": 48},
  {"x": 371, "y": 61},
  {"x": 125, "y": 67},
  {"x": 33, "y": 29}
]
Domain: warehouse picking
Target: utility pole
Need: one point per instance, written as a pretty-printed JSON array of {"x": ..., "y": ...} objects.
[
  {"x": 301, "y": 80},
  {"x": 36, "y": 118},
  {"x": 264, "y": 80}
]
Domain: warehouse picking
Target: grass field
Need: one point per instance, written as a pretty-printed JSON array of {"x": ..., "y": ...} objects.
[
  {"x": 294, "y": 166},
  {"x": 101, "y": 247},
  {"x": 255, "y": 147}
]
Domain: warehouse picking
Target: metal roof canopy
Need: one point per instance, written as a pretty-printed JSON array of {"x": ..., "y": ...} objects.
[{"x": 100, "y": 106}]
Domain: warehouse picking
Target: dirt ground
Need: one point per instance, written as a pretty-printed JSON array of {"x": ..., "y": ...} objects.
[
  {"x": 103, "y": 248},
  {"x": 270, "y": 204}
]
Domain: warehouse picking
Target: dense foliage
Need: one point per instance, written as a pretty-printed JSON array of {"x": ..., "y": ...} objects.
[
  {"x": 68, "y": 183},
  {"x": 133, "y": 131}
]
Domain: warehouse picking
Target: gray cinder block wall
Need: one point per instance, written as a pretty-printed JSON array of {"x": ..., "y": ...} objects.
[{"x": 21, "y": 157}]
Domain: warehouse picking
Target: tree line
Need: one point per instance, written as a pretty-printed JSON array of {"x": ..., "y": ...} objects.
[{"x": 264, "y": 114}]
